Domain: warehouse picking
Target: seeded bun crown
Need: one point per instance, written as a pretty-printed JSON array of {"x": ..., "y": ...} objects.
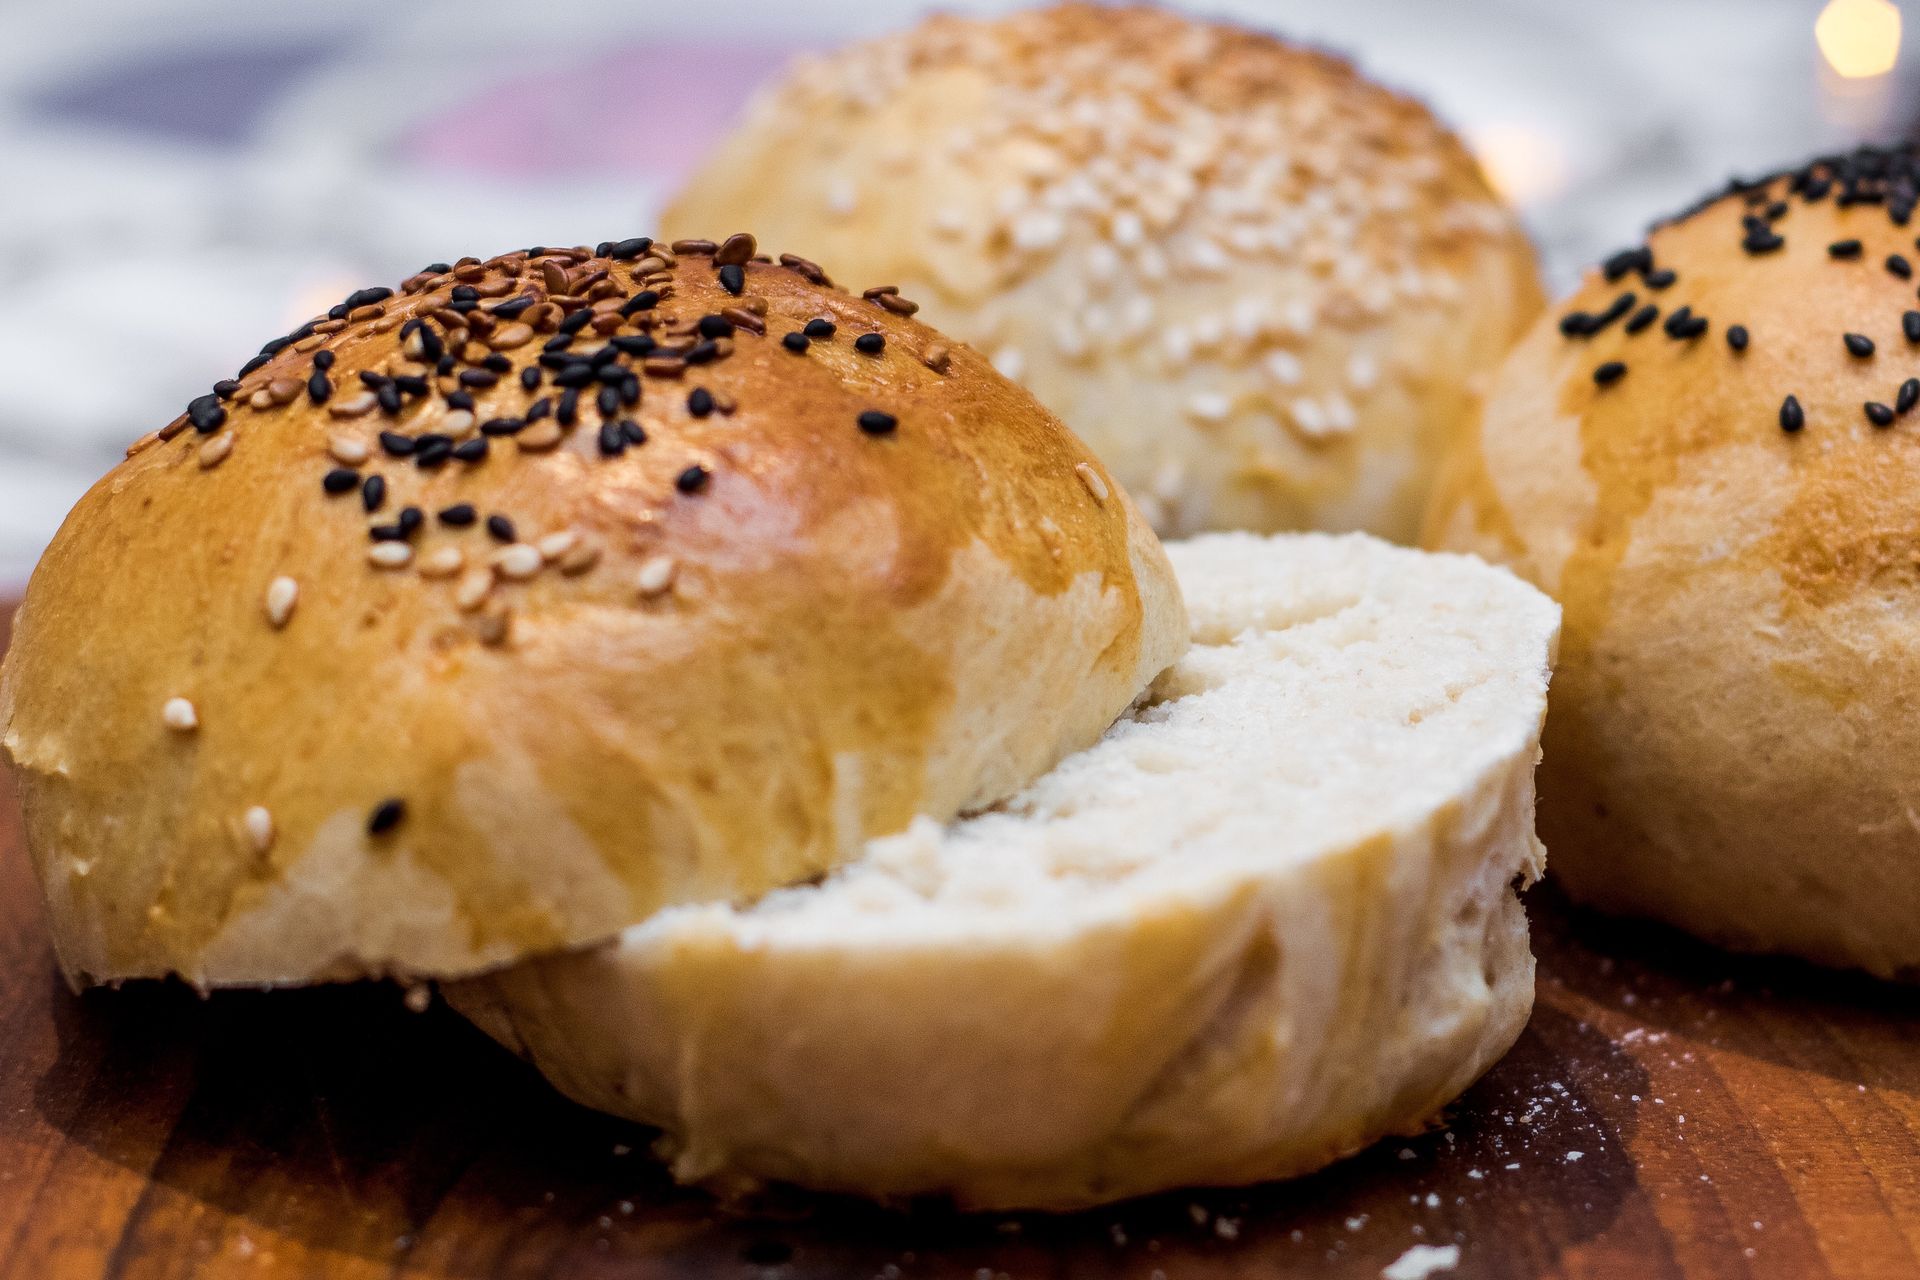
[
  {"x": 1261, "y": 287},
  {"x": 1708, "y": 455},
  {"x": 485, "y": 618}
]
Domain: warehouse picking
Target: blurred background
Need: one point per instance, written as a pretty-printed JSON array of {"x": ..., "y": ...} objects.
[{"x": 182, "y": 179}]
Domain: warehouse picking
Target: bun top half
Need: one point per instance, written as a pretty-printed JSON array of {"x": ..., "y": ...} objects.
[{"x": 484, "y": 617}]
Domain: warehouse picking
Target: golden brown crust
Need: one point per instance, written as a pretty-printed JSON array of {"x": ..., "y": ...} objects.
[
  {"x": 1732, "y": 713},
  {"x": 1259, "y": 285},
  {"x": 671, "y": 686}
]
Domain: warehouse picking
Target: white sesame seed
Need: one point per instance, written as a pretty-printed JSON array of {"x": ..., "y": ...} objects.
[
  {"x": 348, "y": 451},
  {"x": 353, "y": 407},
  {"x": 1362, "y": 372},
  {"x": 1308, "y": 416},
  {"x": 442, "y": 562},
  {"x": 390, "y": 555},
  {"x": 456, "y": 423},
  {"x": 472, "y": 590},
  {"x": 259, "y": 827},
  {"x": 1209, "y": 406},
  {"x": 1038, "y": 229},
  {"x": 841, "y": 197},
  {"x": 179, "y": 715},
  {"x": 1096, "y": 484},
  {"x": 1283, "y": 367},
  {"x": 517, "y": 562},
  {"x": 282, "y": 594},
  {"x": 655, "y": 576},
  {"x": 215, "y": 451},
  {"x": 1126, "y": 229},
  {"x": 555, "y": 545}
]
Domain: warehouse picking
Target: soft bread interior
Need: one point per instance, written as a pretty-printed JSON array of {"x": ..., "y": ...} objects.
[{"x": 1265, "y": 920}]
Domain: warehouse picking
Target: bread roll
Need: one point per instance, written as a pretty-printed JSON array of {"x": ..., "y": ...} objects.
[
  {"x": 1260, "y": 286},
  {"x": 1723, "y": 498},
  {"x": 391, "y": 658},
  {"x": 1269, "y": 918}
]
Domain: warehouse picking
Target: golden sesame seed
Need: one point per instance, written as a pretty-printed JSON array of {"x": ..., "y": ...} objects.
[
  {"x": 1096, "y": 484},
  {"x": 145, "y": 442},
  {"x": 655, "y": 576},
  {"x": 582, "y": 558},
  {"x": 180, "y": 716},
  {"x": 284, "y": 390},
  {"x": 215, "y": 451},
  {"x": 353, "y": 406},
  {"x": 514, "y": 335},
  {"x": 540, "y": 437},
  {"x": 390, "y": 555},
  {"x": 282, "y": 594}
]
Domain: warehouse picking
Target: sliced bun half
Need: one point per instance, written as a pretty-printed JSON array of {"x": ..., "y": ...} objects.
[{"x": 1268, "y": 919}]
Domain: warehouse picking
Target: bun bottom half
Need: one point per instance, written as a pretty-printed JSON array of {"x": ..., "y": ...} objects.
[{"x": 1267, "y": 920}]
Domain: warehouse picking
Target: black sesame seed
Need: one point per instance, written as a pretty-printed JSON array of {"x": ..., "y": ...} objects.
[
  {"x": 1844, "y": 249},
  {"x": 501, "y": 529},
  {"x": 600, "y": 359},
  {"x": 1858, "y": 344},
  {"x": 557, "y": 343},
  {"x": 386, "y": 815},
  {"x": 367, "y": 297},
  {"x": 433, "y": 454},
  {"x": 645, "y": 300},
  {"x": 396, "y": 445},
  {"x": 733, "y": 278},
  {"x": 796, "y": 342},
  {"x": 870, "y": 344},
  {"x": 1760, "y": 241},
  {"x": 635, "y": 433},
  {"x": 700, "y": 402},
  {"x": 502, "y": 426},
  {"x": 430, "y": 345},
  {"x": 340, "y": 480},
  {"x": 512, "y": 308},
  {"x": 1606, "y": 375},
  {"x": 386, "y": 533},
  {"x": 445, "y": 365},
  {"x": 410, "y": 521},
  {"x": 1879, "y": 414},
  {"x": 576, "y": 322},
  {"x": 373, "y": 493},
  {"x": 539, "y": 409},
  {"x": 1899, "y": 266},
  {"x": 1910, "y": 325},
  {"x": 206, "y": 413},
  {"x": 323, "y": 360},
  {"x": 411, "y": 384},
  {"x": 389, "y": 398},
  {"x": 464, "y": 293},
  {"x": 818, "y": 328},
  {"x": 608, "y": 401},
  {"x": 575, "y": 375},
  {"x": 478, "y": 377},
  {"x": 626, "y": 250},
  {"x": 375, "y": 380},
  {"x": 1792, "y": 418},
  {"x": 474, "y": 450},
  {"x": 272, "y": 346},
  {"x": 1737, "y": 337},
  {"x": 459, "y": 515},
  {"x": 715, "y": 326},
  {"x": 613, "y": 440},
  {"x": 530, "y": 377},
  {"x": 692, "y": 480},
  {"x": 1574, "y": 324},
  {"x": 1619, "y": 264},
  {"x": 1907, "y": 397},
  {"x": 630, "y": 389},
  {"x": 702, "y": 352},
  {"x": 253, "y": 364},
  {"x": 1642, "y": 318},
  {"x": 460, "y": 400},
  {"x": 319, "y": 388},
  {"x": 497, "y": 363},
  {"x": 568, "y": 411},
  {"x": 1660, "y": 279}
]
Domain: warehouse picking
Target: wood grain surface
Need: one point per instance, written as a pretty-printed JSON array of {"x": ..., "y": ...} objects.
[{"x": 1669, "y": 1112}]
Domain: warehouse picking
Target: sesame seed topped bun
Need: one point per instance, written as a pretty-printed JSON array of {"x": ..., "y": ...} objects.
[
  {"x": 1260, "y": 286},
  {"x": 1709, "y": 454},
  {"x": 486, "y": 617}
]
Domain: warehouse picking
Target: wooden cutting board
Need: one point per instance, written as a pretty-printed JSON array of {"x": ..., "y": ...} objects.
[{"x": 1669, "y": 1112}]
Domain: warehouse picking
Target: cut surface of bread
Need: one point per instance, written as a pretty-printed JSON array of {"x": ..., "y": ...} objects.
[{"x": 1269, "y": 918}]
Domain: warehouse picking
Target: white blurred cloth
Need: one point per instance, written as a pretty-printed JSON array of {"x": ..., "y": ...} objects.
[{"x": 152, "y": 242}]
